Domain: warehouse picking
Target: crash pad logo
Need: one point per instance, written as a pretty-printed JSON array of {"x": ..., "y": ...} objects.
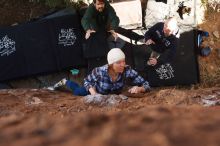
[
  {"x": 67, "y": 37},
  {"x": 7, "y": 46},
  {"x": 165, "y": 71}
]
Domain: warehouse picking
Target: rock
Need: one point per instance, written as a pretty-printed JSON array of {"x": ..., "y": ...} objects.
[
  {"x": 33, "y": 101},
  {"x": 211, "y": 42},
  {"x": 210, "y": 100},
  {"x": 212, "y": 67},
  {"x": 14, "y": 24},
  {"x": 104, "y": 100},
  {"x": 216, "y": 34}
]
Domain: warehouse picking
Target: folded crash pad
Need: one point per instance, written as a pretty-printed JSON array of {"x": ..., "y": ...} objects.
[{"x": 41, "y": 46}]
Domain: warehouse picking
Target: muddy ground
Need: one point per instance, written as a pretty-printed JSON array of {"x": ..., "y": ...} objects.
[{"x": 163, "y": 117}]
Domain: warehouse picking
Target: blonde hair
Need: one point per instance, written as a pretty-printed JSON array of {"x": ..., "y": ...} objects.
[{"x": 171, "y": 24}]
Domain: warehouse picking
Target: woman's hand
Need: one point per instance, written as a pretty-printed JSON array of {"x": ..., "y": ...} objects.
[
  {"x": 136, "y": 89},
  {"x": 92, "y": 91},
  {"x": 88, "y": 33},
  {"x": 149, "y": 42},
  {"x": 114, "y": 34},
  {"x": 152, "y": 61}
]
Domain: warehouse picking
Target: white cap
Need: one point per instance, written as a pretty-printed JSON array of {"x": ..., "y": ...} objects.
[{"x": 115, "y": 55}]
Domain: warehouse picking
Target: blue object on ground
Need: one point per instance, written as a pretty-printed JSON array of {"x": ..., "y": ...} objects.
[
  {"x": 203, "y": 33},
  {"x": 200, "y": 35},
  {"x": 205, "y": 51}
]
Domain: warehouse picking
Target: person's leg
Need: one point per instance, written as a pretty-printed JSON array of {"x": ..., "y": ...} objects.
[
  {"x": 80, "y": 91},
  {"x": 71, "y": 85},
  {"x": 76, "y": 89}
]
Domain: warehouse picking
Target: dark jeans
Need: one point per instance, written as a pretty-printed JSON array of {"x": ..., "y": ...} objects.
[{"x": 76, "y": 89}]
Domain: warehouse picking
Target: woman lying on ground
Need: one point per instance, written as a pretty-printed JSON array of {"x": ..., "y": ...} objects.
[{"x": 109, "y": 78}]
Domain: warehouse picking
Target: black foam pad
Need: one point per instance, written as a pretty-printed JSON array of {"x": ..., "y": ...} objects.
[
  {"x": 12, "y": 60},
  {"x": 42, "y": 46},
  {"x": 96, "y": 45},
  {"x": 184, "y": 68}
]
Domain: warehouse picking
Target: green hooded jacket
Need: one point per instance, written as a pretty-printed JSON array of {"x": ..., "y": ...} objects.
[{"x": 106, "y": 20}]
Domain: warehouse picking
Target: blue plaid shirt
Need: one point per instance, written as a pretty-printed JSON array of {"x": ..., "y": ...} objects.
[{"x": 102, "y": 82}]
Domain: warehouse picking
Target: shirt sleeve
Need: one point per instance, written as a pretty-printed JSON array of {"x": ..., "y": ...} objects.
[
  {"x": 113, "y": 18},
  {"x": 87, "y": 17},
  {"x": 137, "y": 79},
  {"x": 151, "y": 31},
  {"x": 92, "y": 79}
]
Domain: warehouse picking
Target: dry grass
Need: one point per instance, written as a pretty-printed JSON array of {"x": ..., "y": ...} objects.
[{"x": 210, "y": 66}]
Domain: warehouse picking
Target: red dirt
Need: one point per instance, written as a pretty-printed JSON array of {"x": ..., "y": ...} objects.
[{"x": 161, "y": 117}]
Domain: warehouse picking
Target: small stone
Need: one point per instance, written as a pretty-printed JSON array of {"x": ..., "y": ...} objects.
[
  {"x": 33, "y": 101},
  {"x": 216, "y": 34},
  {"x": 14, "y": 24},
  {"x": 211, "y": 43}
]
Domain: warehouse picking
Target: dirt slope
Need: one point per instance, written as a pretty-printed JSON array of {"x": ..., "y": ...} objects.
[{"x": 161, "y": 117}]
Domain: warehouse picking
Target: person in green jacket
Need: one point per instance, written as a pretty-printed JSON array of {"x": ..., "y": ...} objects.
[{"x": 100, "y": 16}]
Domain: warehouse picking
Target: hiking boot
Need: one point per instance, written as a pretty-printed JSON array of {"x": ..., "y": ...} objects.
[{"x": 60, "y": 83}]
